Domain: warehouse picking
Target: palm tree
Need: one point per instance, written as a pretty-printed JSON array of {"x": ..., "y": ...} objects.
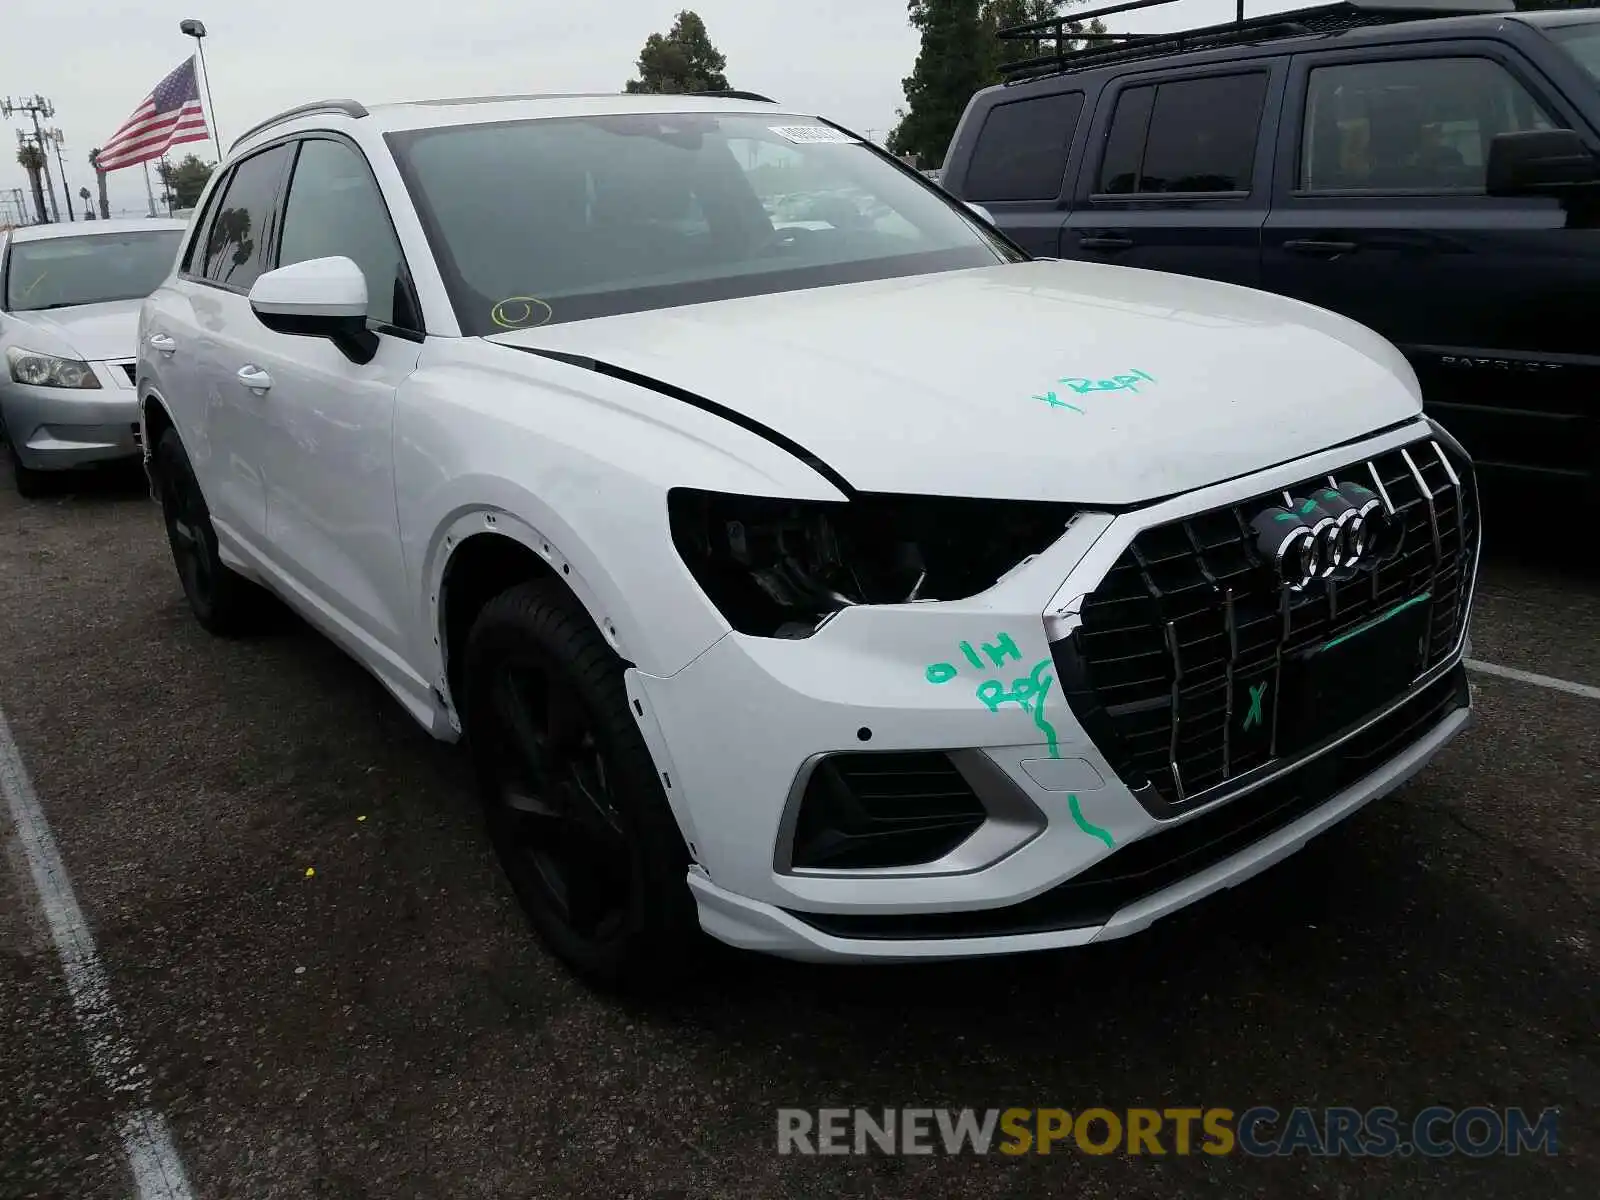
[
  {"x": 100, "y": 181},
  {"x": 31, "y": 160}
]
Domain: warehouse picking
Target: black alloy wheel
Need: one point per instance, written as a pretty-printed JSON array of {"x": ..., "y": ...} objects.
[
  {"x": 223, "y": 601},
  {"x": 574, "y": 806},
  {"x": 552, "y": 805}
]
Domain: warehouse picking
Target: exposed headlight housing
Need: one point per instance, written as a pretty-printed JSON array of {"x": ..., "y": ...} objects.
[
  {"x": 779, "y": 568},
  {"x": 47, "y": 370}
]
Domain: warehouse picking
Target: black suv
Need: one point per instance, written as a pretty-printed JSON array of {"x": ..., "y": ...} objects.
[{"x": 1435, "y": 176}]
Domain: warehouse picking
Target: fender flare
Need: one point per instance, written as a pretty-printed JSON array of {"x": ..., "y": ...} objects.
[{"x": 496, "y": 522}]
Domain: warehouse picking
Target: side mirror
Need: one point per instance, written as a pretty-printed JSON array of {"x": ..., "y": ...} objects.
[
  {"x": 980, "y": 212},
  {"x": 1539, "y": 162},
  {"x": 321, "y": 297}
]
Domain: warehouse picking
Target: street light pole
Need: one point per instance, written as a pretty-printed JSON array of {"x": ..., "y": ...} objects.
[{"x": 197, "y": 30}]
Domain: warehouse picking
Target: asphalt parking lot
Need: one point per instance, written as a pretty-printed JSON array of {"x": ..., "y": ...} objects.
[{"x": 386, "y": 1026}]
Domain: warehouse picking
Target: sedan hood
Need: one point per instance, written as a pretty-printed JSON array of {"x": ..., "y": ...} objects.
[
  {"x": 1040, "y": 380},
  {"x": 92, "y": 332}
]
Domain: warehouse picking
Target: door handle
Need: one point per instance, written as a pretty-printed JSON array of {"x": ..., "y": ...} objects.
[
  {"x": 254, "y": 378},
  {"x": 162, "y": 343},
  {"x": 1104, "y": 242},
  {"x": 1317, "y": 246}
]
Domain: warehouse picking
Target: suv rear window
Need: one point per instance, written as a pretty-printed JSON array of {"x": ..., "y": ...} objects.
[
  {"x": 1022, "y": 149},
  {"x": 1192, "y": 135}
]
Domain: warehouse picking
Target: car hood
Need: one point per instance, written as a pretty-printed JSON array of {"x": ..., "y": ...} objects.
[
  {"x": 91, "y": 332},
  {"x": 1039, "y": 380}
]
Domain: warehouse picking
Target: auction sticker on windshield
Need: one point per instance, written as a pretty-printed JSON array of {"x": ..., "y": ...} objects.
[{"x": 809, "y": 135}]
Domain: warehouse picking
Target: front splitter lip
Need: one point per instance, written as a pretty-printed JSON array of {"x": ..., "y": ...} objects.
[{"x": 753, "y": 925}]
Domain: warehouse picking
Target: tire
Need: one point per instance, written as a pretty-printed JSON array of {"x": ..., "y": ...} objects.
[
  {"x": 573, "y": 805},
  {"x": 223, "y": 601}
]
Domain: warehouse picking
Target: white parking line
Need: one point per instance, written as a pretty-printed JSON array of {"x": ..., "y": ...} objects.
[
  {"x": 157, "y": 1171},
  {"x": 1544, "y": 681}
]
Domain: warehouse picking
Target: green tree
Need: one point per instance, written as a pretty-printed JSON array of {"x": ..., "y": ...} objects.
[
  {"x": 953, "y": 63},
  {"x": 31, "y": 159},
  {"x": 684, "y": 60},
  {"x": 1002, "y": 14},
  {"x": 185, "y": 180},
  {"x": 961, "y": 54}
]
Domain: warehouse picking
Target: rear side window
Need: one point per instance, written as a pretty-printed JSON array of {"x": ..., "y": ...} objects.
[
  {"x": 1193, "y": 135},
  {"x": 1022, "y": 149},
  {"x": 1409, "y": 124},
  {"x": 243, "y": 224}
]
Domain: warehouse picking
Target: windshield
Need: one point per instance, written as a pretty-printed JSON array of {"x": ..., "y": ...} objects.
[
  {"x": 91, "y": 269},
  {"x": 1581, "y": 39},
  {"x": 544, "y": 221}
]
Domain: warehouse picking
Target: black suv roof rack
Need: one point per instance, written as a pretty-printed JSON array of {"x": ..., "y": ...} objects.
[
  {"x": 350, "y": 108},
  {"x": 1242, "y": 30}
]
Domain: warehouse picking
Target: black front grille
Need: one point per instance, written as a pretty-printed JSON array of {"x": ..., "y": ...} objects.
[
  {"x": 867, "y": 809},
  {"x": 1173, "y": 853},
  {"x": 1190, "y": 607},
  {"x": 131, "y": 370}
]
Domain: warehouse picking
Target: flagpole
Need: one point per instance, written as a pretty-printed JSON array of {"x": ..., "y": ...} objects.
[
  {"x": 147, "y": 189},
  {"x": 197, "y": 30}
]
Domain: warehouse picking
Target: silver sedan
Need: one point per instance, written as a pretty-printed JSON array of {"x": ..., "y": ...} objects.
[{"x": 69, "y": 316}]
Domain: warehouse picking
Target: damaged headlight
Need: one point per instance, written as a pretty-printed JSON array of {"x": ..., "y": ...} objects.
[{"x": 778, "y": 568}]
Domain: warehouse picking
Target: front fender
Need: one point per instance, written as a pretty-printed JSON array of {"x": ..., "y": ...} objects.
[{"x": 576, "y": 467}]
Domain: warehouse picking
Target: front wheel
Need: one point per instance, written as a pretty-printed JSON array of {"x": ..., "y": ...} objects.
[
  {"x": 576, "y": 813},
  {"x": 222, "y": 600}
]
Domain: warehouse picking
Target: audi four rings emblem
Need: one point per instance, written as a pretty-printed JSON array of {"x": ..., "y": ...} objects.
[{"x": 1334, "y": 534}]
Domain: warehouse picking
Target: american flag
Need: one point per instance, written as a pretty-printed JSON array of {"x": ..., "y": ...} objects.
[{"x": 168, "y": 116}]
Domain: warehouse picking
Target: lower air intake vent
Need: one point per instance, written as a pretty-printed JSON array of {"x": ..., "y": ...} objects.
[{"x": 865, "y": 810}]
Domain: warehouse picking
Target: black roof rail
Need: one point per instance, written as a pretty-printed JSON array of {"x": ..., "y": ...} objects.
[
  {"x": 350, "y": 108},
  {"x": 733, "y": 94},
  {"x": 1242, "y": 30}
]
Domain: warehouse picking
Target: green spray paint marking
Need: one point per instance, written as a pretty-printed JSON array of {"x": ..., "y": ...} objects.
[
  {"x": 1027, "y": 693},
  {"x": 1045, "y": 727},
  {"x": 1078, "y": 819},
  {"x": 1377, "y": 620},
  {"x": 1258, "y": 692},
  {"x": 1054, "y": 401},
  {"x": 1002, "y": 648}
]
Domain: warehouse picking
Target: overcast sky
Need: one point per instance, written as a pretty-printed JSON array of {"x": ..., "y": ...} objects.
[{"x": 96, "y": 60}]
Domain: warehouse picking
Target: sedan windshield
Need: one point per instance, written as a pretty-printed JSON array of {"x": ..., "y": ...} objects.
[
  {"x": 88, "y": 269},
  {"x": 1581, "y": 39},
  {"x": 544, "y": 221}
]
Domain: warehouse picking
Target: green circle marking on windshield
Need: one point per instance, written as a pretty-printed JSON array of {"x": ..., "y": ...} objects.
[{"x": 520, "y": 312}]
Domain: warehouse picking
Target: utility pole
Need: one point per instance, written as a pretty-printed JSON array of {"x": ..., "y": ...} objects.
[
  {"x": 37, "y": 106},
  {"x": 58, "y": 137}
]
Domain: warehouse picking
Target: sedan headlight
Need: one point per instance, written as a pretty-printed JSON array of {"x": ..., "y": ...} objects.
[
  {"x": 46, "y": 370},
  {"x": 779, "y": 568}
]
